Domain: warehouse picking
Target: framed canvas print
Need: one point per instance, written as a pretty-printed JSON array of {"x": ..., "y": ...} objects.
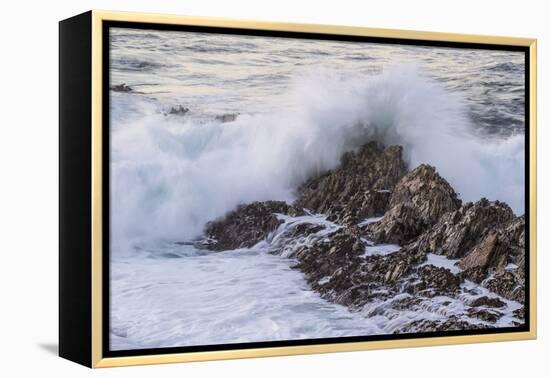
[{"x": 235, "y": 189}]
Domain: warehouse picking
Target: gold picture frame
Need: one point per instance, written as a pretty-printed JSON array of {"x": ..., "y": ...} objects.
[{"x": 92, "y": 354}]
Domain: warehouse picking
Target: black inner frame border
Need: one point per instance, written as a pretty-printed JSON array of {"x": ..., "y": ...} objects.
[{"x": 106, "y": 25}]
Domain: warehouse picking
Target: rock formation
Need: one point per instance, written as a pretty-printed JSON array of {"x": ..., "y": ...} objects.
[
  {"x": 121, "y": 88},
  {"x": 359, "y": 188},
  {"x": 419, "y": 211},
  {"x": 247, "y": 225}
]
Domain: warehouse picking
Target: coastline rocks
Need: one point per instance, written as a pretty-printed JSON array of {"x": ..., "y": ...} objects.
[
  {"x": 451, "y": 324},
  {"x": 421, "y": 213},
  {"x": 398, "y": 226},
  {"x": 436, "y": 280},
  {"x": 487, "y": 302},
  {"x": 490, "y": 316},
  {"x": 359, "y": 188},
  {"x": 178, "y": 110},
  {"x": 515, "y": 231},
  {"x": 247, "y": 225},
  {"x": 418, "y": 200},
  {"x": 514, "y": 234},
  {"x": 427, "y": 192},
  {"x": 458, "y": 232},
  {"x": 330, "y": 266},
  {"x": 491, "y": 252},
  {"x": 391, "y": 268},
  {"x": 325, "y": 257},
  {"x": 508, "y": 284},
  {"x": 228, "y": 117},
  {"x": 121, "y": 88}
]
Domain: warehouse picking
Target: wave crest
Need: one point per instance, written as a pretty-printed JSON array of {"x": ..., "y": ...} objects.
[{"x": 169, "y": 177}]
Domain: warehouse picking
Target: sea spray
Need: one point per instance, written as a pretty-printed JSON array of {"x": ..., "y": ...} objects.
[{"x": 170, "y": 175}]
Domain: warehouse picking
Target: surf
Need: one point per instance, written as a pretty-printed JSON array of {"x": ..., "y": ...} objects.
[{"x": 170, "y": 175}]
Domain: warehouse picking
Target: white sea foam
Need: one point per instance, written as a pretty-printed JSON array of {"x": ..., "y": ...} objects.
[
  {"x": 169, "y": 176},
  {"x": 230, "y": 297},
  {"x": 173, "y": 295},
  {"x": 441, "y": 261}
]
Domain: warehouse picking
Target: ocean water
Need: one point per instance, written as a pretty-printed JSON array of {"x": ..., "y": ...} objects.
[{"x": 297, "y": 106}]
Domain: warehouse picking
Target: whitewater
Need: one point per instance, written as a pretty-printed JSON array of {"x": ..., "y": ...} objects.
[{"x": 299, "y": 105}]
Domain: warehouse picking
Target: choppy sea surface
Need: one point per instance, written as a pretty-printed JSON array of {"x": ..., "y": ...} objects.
[{"x": 264, "y": 115}]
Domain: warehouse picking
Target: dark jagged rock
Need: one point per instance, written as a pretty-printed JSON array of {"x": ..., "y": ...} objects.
[
  {"x": 325, "y": 257},
  {"x": 391, "y": 268},
  {"x": 515, "y": 231},
  {"x": 247, "y": 225},
  {"x": 291, "y": 240},
  {"x": 508, "y": 284},
  {"x": 487, "y": 302},
  {"x": 400, "y": 225},
  {"x": 337, "y": 269},
  {"x": 178, "y": 110},
  {"x": 477, "y": 274},
  {"x": 520, "y": 313},
  {"x": 229, "y": 117},
  {"x": 368, "y": 204},
  {"x": 421, "y": 212},
  {"x": 451, "y": 324},
  {"x": 427, "y": 192},
  {"x": 121, "y": 88},
  {"x": 490, "y": 316},
  {"x": 435, "y": 279},
  {"x": 458, "y": 232},
  {"x": 359, "y": 188},
  {"x": 514, "y": 234},
  {"x": 418, "y": 200},
  {"x": 330, "y": 266},
  {"x": 491, "y": 252}
]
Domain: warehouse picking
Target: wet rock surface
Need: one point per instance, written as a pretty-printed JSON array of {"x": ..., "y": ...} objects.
[
  {"x": 247, "y": 225},
  {"x": 508, "y": 284},
  {"x": 399, "y": 225},
  {"x": 437, "y": 281},
  {"x": 451, "y": 324},
  {"x": 178, "y": 110},
  {"x": 427, "y": 192},
  {"x": 487, "y": 302},
  {"x": 489, "y": 253},
  {"x": 228, "y": 117},
  {"x": 122, "y": 88},
  {"x": 359, "y": 188},
  {"x": 380, "y": 266},
  {"x": 457, "y": 232}
]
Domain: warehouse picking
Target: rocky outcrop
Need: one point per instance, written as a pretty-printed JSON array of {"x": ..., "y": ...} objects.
[
  {"x": 427, "y": 192},
  {"x": 451, "y": 324},
  {"x": 331, "y": 266},
  {"x": 359, "y": 188},
  {"x": 491, "y": 252},
  {"x": 508, "y": 284},
  {"x": 515, "y": 232},
  {"x": 487, "y": 302},
  {"x": 434, "y": 281},
  {"x": 420, "y": 213},
  {"x": 418, "y": 201},
  {"x": 398, "y": 226},
  {"x": 121, "y": 88},
  {"x": 228, "y": 117},
  {"x": 391, "y": 268},
  {"x": 178, "y": 110},
  {"x": 247, "y": 225},
  {"x": 489, "y": 316},
  {"x": 458, "y": 232}
]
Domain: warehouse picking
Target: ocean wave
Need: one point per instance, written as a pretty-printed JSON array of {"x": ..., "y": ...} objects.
[{"x": 169, "y": 177}]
